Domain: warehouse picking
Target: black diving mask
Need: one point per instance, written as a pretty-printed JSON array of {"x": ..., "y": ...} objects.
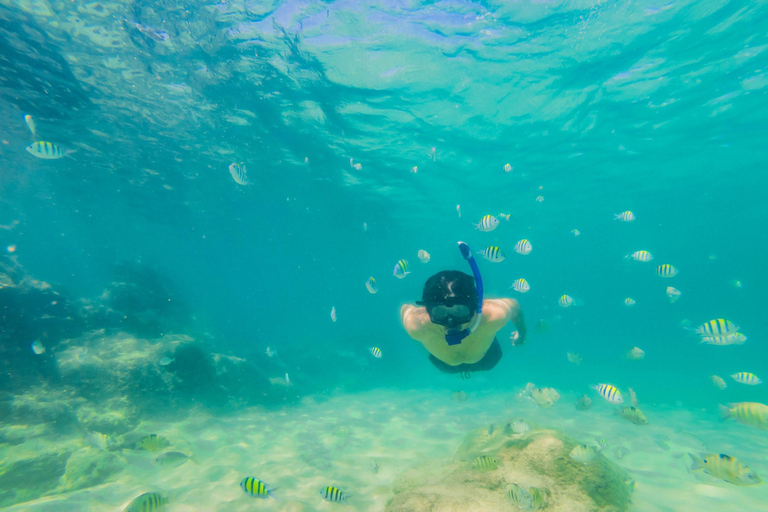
[{"x": 447, "y": 313}]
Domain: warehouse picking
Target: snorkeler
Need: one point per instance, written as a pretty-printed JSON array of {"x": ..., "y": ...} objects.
[{"x": 456, "y": 325}]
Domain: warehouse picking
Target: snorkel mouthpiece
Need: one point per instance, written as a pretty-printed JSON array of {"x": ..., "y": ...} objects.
[{"x": 456, "y": 337}]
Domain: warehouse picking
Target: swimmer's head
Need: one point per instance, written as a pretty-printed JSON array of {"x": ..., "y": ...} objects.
[{"x": 450, "y": 297}]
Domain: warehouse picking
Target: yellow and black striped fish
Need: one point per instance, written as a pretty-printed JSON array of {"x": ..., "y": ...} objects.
[
  {"x": 747, "y": 378},
  {"x": 538, "y": 497},
  {"x": 521, "y": 285},
  {"x": 520, "y": 497},
  {"x": 492, "y": 253},
  {"x": 48, "y": 151},
  {"x": 401, "y": 269},
  {"x": 666, "y": 270},
  {"x": 717, "y": 327},
  {"x": 753, "y": 414},
  {"x": 484, "y": 463},
  {"x": 375, "y": 352},
  {"x": 487, "y": 223},
  {"x": 147, "y": 502},
  {"x": 729, "y": 339},
  {"x": 523, "y": 247},
  {"x": 333, "y": 494},
  {"x": 255, "y": 487},
  {"x": 640, "y": 256},
  {"x": 725, "y": 467},
  {"x": 610, "y": 393},
  {"x": 152, "y": 443}
]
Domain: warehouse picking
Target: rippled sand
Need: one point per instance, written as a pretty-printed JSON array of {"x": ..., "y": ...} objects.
[{"x": 332, "y": 441}]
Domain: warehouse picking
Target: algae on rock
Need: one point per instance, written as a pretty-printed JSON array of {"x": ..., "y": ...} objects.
[{"x": 538, "y": 458}]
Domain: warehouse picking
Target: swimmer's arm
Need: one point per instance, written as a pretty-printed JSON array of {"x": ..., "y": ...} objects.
[
  {"x": 416, "y": 321},
  {"x": 497, "y": 312}
]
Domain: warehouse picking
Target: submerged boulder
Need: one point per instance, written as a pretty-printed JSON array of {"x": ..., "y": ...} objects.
[{"x": 537, "y": 459}]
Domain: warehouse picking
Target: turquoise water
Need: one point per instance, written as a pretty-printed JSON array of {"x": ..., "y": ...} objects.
[{"x": 599, "y": 107}]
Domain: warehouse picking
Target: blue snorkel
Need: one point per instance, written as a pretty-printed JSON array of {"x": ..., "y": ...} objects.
[{"x": 456, "y": 337}]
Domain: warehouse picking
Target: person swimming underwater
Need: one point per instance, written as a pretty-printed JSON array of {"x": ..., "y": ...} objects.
[{"x": 456, "y": 325}]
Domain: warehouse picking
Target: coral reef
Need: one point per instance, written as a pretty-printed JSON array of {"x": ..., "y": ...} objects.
[
  {"x": 78, "y": 377},
  {"x": 538, "y": 459}
]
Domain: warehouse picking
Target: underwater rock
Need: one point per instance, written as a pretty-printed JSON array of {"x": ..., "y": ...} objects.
[
  {"x": 41, "y": 406},
  {"x": 87, "y": 468},
  {"x": 147, "y": 304},
  {"x": 112, "y": 417},
  {"x": 100, "y": 367},
  {"x": 30, "y": 311},
  {"x": 539, "y": 459},
  {"x": 32, "y": 469}
]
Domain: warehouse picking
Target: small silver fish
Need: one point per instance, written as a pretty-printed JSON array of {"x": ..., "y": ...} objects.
[
  {"x": 171, "y": 459},
  {"x": 374, "y": 466},
  {"x": 165, "y": 361},
  {"x": 574, "y": 358},
  {"x": 156, "y": 35},
  {"x": 98, "y": 440},
  {"x": 239, "y": 174},
  {"x": 31, "y": 124},
  {"x": 620, "y": 452},
  {"x": 583, "y": 403}
]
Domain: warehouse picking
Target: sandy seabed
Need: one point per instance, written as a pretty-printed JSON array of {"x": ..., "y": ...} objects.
[{"x": 334, "y": 441}]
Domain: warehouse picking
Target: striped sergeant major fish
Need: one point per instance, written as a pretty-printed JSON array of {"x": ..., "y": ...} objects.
[
  {"x": 492, "y": 253},
  {"x": 238, "y": 173},
  {"x": 521, "y": 285},
  {"x": 538, "y": 497},
  {"x": 725, "y": 467},
  {"x": 375, "y": 352},
  {"x": 487, "y": 223},
  {"x": 401, "y": 269},
  {"x": 640, "y": 256},
  {"x": 717, "y": 327},
  {"x": 334, "y": 494},
  {"x": 520, "y": 497},
  {"x": 147, "y": 502},
  {"x": 48, "y": 151},
  {"x": 666, "y": 270},
  {"x": 256, "y": 488},
  {"x": 753, "y": 414},
  {"x": 747, "y": 378},
  {"x": 610, "y": 393},
  {"x": 523, "y": 247},
  {"x": 565, "y": 301},
  {"x": 485, "y": 463},
  {"x": 626, "y": 216},
  {"x": 729, "y": 339}
]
